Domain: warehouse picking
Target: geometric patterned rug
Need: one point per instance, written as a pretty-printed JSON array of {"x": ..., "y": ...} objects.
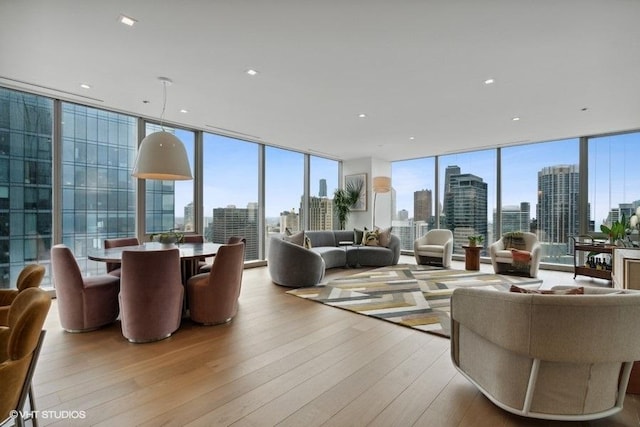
[{"x": 417, "y": 296}]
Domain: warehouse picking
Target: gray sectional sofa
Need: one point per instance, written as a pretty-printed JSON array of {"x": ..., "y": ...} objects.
[{"x": 295, "y": 266}]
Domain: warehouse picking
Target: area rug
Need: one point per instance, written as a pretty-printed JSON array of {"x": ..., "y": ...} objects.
[{"x": 416, "y": 296}]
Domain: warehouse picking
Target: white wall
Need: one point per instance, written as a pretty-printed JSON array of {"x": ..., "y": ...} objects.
[{"x": 372, "y": 167}]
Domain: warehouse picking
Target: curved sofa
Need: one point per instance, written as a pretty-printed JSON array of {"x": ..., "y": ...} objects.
[{"x": 294, "y": 266}]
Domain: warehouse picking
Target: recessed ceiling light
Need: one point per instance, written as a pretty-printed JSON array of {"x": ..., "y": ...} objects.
[
  {"x": 362, "y": 115},
  {"x": 489, "y": 81},
  {"x": 126, "y": 20},
  {"x": 85, "y": 86},
  {"x": 515, "y": 119},
  {"x": 252, "y": 72},
  {"x": 411, "y": 138},
  {"x": 184, "y": 111}
]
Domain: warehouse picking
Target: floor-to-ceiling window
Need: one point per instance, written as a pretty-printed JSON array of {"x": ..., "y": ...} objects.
[
  {"x": 98, "y": 193},
  {"x": 284, "y": 187},
  {"x": 230, "y": 193},
  {"x": 323, "y": 180},
  {"x": 413, "y": 199},
  {"x": 540, "y": 187},
  {"x": 169, "y": 204},
  {"x": 26, "y": 123},
  {"x": 468, "y": 195},
  {"x": 613, "y": 188}
]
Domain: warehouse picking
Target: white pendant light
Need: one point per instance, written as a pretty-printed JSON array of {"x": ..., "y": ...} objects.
[{"x": 162, "y": 155}]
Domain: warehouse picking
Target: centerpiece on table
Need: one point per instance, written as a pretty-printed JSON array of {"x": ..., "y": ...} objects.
[{"x": 168, "y": 238}]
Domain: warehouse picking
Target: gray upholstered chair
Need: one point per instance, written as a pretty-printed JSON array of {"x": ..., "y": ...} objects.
[
  {"x": 206, "y": 267},
  {"x": 30, "y": 277},
  {"x": 561, "y": 357},
  {"x": 213, "y": 297},
  {"x": 522, "y": 244},
  {"x": 20, "y": 343},
  {"x": 84, "y": 303},
  {"x": 113, "y": 268},
  {"x": 151, "y": 294},
  {"x": 292, "y": 265},
  {"x": 435, "y": 247}
]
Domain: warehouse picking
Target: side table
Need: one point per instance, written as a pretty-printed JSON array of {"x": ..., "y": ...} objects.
[{"x": 472, "y": 257}]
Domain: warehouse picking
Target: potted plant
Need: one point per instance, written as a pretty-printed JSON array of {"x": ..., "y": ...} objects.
[
  {"x": 474, "y": 240},
  {"x": 616, "y": 231},
  {"x": 345, "y": 198}
]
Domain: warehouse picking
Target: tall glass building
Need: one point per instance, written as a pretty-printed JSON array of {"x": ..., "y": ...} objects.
[{"x": 26, "y": 131}]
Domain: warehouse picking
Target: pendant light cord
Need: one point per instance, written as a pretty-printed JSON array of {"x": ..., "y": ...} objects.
[{"x": 164, "y": 103}]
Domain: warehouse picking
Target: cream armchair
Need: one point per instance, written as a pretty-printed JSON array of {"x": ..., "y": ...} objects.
[
  {"x": 434, "y": 247},
  {"x": 561, "y": 357},
  {"x": 502, "y": 255}
]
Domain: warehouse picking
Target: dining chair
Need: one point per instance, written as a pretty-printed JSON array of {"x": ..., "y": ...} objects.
[
  {"x": 196, "y": 238},
  {"x": 213, "y": 296},
  {"x": 151, "y": 294},
  {"x": 85, "y": 303},
  {"x": 113, "y": 268},
  {"x": 233, "y": 239},
  {"x": 20, "y": 343},
  {"x": 30, "y": 277}
]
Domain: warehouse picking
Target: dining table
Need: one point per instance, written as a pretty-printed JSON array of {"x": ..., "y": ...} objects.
[{"x": 190, "y": 254}]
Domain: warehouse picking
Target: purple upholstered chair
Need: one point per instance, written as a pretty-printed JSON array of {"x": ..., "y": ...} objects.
[
  {"x": 113, "y": 268},
  {"x": 213, "y": 296},
  {"x": 233, "y": 239},
  {"x": 151, "y": 294},
  {"x": 84, "y": 303},
  {"x": 195, "y": 238}
]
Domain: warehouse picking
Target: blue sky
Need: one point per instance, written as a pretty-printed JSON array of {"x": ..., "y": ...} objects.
[{"x": 231, "y": 173}]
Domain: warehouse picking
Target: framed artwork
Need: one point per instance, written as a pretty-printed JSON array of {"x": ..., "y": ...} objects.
[{"x": 358, "y": 181}]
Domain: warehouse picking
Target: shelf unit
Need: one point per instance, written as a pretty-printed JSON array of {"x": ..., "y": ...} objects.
[{"x": 589, "y": 245}]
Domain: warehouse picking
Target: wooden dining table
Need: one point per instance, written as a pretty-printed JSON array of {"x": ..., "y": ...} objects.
[{"x": 190, "y": 254}]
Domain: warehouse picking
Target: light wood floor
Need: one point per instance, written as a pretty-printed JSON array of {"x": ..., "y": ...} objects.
[{"x": 282, "y": 361}]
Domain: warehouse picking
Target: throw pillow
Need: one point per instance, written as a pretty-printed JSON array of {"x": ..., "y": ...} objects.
[
  {"x": 297, "y": 238},
  {"x": 358, "y": 235},
  {"x": 569, "y": 291},
  {"x": 384, "y": 236},
  {"x": 287, "y": 231},
  {"x": 307, "y": 242},
  {"x": 514, "y": 240},
  {"x": 371, "y": 238}
]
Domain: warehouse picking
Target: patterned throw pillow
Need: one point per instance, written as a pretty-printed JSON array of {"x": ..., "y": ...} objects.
[
  {"x": 514, "y": 240},
  {"x": 371, "y": 238},
  {"x": 570, "y": 291},
  {"x": 384, "y": 236}
]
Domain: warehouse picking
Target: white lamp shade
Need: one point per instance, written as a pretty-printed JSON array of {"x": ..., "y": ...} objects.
[
  {"x": 162, "y": 156},
  {"x": 638, "y": 211},
  {"x": 633, "y": 221},
  {"x": 381, "y": 184}
]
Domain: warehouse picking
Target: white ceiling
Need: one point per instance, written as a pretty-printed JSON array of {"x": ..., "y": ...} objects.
[{"x": 415, "y": 67}]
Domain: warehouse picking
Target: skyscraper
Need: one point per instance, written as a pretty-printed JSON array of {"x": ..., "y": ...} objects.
[
  {"x": 513, "y": 218},
  {"x": 557, "y": 208},
  {"x": 320, "y": 213},
  {"x": 422, "y": 205},
  {"x": 232, "y": 221},
  {"x": 465, "y": 206},
  {"x": 323, "y": 188},
  {"x": 188, "y": 218}
]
